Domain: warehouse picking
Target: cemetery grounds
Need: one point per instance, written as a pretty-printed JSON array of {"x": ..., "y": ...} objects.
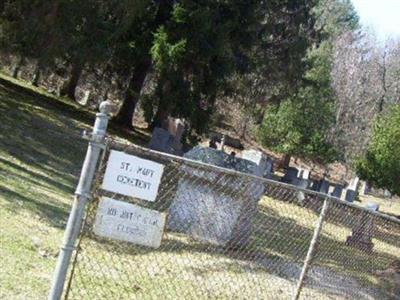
[{"x": 41, "y": 153}]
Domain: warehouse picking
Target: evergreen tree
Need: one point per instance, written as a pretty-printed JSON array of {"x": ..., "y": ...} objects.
[
  {"x": 193, "y": 54},
  {"x": 381, "y": 163},
  {"x": 72, "y": 31},
  {"x": 197, "y": 47},
  {"x": 308, "y": 113},
  {"x": 132, "y": 41}
]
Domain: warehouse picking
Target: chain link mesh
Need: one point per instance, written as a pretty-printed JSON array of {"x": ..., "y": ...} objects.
[
  {"x": 220, "y": 242},
  {"x": 358, "y": 255}
]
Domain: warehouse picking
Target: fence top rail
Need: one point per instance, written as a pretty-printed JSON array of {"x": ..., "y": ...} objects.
[{"x": 121, "y": 145}]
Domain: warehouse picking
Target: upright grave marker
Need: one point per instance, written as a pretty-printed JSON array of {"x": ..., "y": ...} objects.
[
  {"x": 265, "y": 164},
  {"x": 337, "y": 191},
  {"x": 363, "y": 231},
  {"x": 352, "y": 190},
  {"x": 324, "y": 186},
  {"x": 290, "y": 175},
  {"x": 161, "y": 140},
  {"x": 210, "y": 205}
]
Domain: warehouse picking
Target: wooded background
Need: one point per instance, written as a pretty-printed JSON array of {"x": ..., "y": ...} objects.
[{"x": 301, "y": 78}]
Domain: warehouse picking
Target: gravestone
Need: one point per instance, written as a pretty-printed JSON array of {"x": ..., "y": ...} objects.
[
  {"x": 354, "y": 184},
  {"x": 367, "y": 188},
  {"x": 362, "y": 233},
  {"x": 387, "y": 194},
  {"x": 350, "y": 195},
  {"x": 213, "y": 206},
  {"x": 269, "y": 169},
  {"x": 301, "y": 183},
  {"x": 222, "y": 144},
  {"x": 168, "y": 139},
  {"x": 352, "y": 190},
  {"x": 176, "y": 128},
  {"x": 180, "y": 129},
  {"x": 324, "y": 186},
  {"x": 305, "y": 174},
  {"x": 315, "y": 184},
  {"x": 304, "y": 184},
  {"x": 161, "y": 140},
  {"x": 290, "y": 175},
  {"x": 228, "y": 140},
  {"x": 264, "y": 163},
  {"x": 364, "y": 188},
  {"x": 337, "y": 191},
  {"x": 85, "y": 98}
]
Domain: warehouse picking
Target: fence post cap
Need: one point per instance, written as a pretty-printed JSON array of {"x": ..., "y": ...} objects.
[{"x": 107, "y": 107}]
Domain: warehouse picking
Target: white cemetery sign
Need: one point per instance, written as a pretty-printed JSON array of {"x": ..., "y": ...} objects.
[
  {"x": 129, "y": 222},
  {"x": 306, "y": 174},
  {"x": 132, "y": 176}
]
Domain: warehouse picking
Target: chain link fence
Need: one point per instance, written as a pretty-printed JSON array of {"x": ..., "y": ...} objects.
[{"x": 230, "y": 235}]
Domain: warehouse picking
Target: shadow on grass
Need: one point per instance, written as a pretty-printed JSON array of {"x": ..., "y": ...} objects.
[
  {"x": 40, "y": 134},
  {"x": 72, "y": 109},
  {"x": 41, "y": 147},
  {"x": 40, "y": 150},
  {"x": 54, "y": 214},
  {"x": 34, "y": 178}
]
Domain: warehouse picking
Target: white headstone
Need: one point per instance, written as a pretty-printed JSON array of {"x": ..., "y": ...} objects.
[
  {"x": 354, "y": 184},
  {"x": 222, "y": 144},
  {"x": 306, "y": 174},
  {"x": 85, "y": 98},
  {"x": 265, "y": 166}
]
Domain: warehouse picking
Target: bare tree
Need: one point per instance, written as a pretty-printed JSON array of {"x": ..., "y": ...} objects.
[{"x": 365, "y": 77}]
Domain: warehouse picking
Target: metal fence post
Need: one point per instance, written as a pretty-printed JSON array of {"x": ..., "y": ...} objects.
[
  {"x": 311, "y": 249},
  {"x": 82, "y": 195}
]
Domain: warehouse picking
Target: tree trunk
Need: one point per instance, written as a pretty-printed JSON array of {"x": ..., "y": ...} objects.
[
  {"x": 160, "y": 119},
  {"x": 284, "y": 163},
  {"x": 70, "y": 87},
  {"x": 383, "y": 80},
  {"x": 17, "y": 67},
  {"x": 36, "y": 74},
  {"x": 125, "y": 114},
  {"x": 244, "y": 127}
]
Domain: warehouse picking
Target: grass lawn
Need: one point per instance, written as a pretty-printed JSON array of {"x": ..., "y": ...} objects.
[
  {"x": 41, "y": 153},
  {"x": 40, "y": 159},
  {"x": 268, "y": 267}
]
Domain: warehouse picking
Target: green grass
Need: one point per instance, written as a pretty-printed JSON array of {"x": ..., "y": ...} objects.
[
  {"x": 269, "y": 266},
  {"x": 389, "y": 206},
  {"x": 41, "y": 153}
]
